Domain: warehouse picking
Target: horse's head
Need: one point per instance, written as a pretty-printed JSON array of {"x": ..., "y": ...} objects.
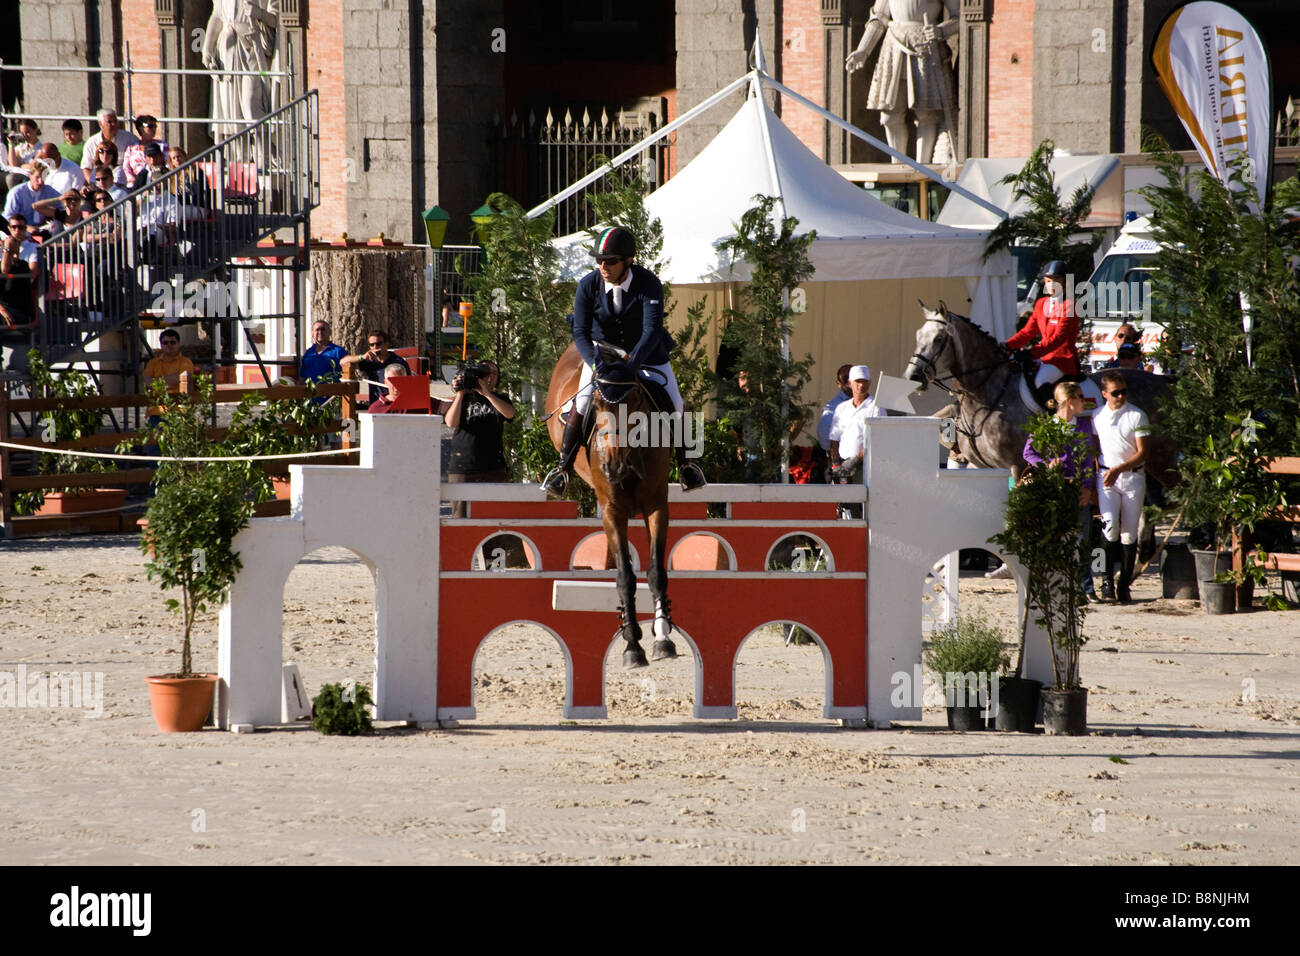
[{"x": 932, "y": 339}]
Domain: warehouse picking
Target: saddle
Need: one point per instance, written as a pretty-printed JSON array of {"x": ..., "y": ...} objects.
[
  {"x": 616, "y": 379},
  {"x": 1036, "y": 399}
]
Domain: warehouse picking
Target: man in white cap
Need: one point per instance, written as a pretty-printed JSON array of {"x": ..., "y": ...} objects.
[{"x": 848, "y": 431}]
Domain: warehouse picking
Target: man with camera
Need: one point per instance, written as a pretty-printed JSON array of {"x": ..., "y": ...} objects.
[{"x": 477, "y": 416}]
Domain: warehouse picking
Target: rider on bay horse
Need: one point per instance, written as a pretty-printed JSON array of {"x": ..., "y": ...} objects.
[
  {"x": 622, "y": 304},
  {"x": 1056, "y": 327}
]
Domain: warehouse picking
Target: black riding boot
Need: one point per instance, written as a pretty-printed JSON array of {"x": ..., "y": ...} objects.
[
  {"x": 1126, "y": 573},
  {"x": 556, "y": 481},
  {"x": 1108, "y": 579},
  {"x": 689, "y": 472}
]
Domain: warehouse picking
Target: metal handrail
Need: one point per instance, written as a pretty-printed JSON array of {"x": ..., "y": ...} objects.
[{"x": 106, "y": 269}]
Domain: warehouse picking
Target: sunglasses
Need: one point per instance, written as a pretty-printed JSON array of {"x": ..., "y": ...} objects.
[
  {"x": 1119, "y": 392},
  {"x": 149, "y": 125},
  {"x": 375, "y": 345},
  {"x": 17, "y": 225},
  {"x": 608, "y": 260}
]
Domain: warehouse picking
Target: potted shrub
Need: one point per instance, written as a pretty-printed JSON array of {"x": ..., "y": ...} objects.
[
  {"x": 966, "y": 658},
  {"x": 196, "y": 512},
  {"x": 1042, "y": 531},
  {"x": 283, "y": 426},
  {"x": 1229, "y": 491},
  {"x": 66, "y": 425}
]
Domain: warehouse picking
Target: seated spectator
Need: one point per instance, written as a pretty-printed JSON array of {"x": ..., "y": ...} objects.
[
  {"x": 18, "y": 257},
  {"x": 155, "y": 167},
  {"x": 106, "y": 155},
  {"x": 24, "y": 146},
  {"x": 63, "y": 213},
  {"x": 63, "y": 174},
  {"x": 106, "y": 228},
  {"x": 168, "y": 367},
  {"x": 195, "y": 193},
  {"x": 450, "y": 315},
  {"x": 371, "y": 364},
  {"x": 383, "y": 405},
  {"x": 102, "y": 177},
  {"x": 323, "y": 360},
  {"x": 134, "y": 158},
  {"x": 22, "y": 199},
  {"x": 110, "y": 131},
  {"x": 72, "y": 146}
]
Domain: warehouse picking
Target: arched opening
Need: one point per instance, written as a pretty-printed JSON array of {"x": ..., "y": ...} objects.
[
  {"x": 520, "y": 674},
  {"x": 508, "y": 551},
  {"x": 702, "y": 551},
  {"x": 329, "y": 619},
  {"x": 592, "y": 554},
  {"x": 667, "y": 688},
  {"x": 800, "y": 552},
  {"x": 778, "y": 679}
]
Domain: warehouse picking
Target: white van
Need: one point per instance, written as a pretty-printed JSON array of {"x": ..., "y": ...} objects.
[{"x": 1119, "y": 291}]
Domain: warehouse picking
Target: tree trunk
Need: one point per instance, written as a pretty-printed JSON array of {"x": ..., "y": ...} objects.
[{"x": 360, "y": 289}]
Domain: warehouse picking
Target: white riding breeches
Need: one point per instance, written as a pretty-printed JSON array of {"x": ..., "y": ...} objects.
[
  {"x": 583, "y": 398},
  {"x": 1047, "y": 372},
  {"x": 1121, "y": 506}
]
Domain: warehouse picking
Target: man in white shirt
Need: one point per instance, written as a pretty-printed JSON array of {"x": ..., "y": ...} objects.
[
  {"x": 63, "y": 174},
  {"x": 848, "y": 428},
  {"x": 1122, "y": 433},
  {"x": 843, "y": 393},
  {"x": 109, "y": 129}
]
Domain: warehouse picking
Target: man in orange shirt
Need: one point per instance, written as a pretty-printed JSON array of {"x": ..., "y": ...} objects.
[{"x": 167, "y": 367}]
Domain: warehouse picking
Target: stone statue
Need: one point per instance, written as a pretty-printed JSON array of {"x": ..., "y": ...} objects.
[
  {"x": 241, "y": 35},
  {"x": 913, "y": 71}
]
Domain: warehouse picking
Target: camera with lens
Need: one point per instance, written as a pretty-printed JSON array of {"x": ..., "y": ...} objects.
[{"x": 470, "y": 373}]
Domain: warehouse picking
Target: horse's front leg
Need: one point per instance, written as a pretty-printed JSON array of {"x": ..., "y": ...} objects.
[
  {"x": 616, "y": 534},
  {"x": 656, "y": 524}
]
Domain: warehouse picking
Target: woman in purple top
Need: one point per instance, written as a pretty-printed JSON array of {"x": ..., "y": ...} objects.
[{"x": 1083, "y": 463}]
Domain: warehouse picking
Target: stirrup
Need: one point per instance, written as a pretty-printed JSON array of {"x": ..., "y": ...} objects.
[
  {"x": 691, "y": 476},
  {"x": 556, "y": 482}
]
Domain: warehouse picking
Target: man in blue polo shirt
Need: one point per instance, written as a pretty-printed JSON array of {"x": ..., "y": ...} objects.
[{"x": 323, "y": 360}]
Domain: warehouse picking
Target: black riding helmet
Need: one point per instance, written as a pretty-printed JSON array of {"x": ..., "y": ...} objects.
[
  {"x": 1055, "y": 268},
  {"x": 614, "y": 241}
]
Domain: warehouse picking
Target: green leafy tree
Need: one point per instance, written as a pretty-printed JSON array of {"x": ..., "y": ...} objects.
[
  {"x": 520, "y": 309},
  {"x": 760, "y": 330},
  {"x": 1042, "y": 531},
  {"x": 196, "y": 512}
]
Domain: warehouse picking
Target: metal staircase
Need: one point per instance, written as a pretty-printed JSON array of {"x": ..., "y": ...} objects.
[{"x": 144, "y": 256}]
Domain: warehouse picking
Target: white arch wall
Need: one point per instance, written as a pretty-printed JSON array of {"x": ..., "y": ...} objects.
[
  {"x": 388, "y": 515},
  {"x": 924, "y": 511}
]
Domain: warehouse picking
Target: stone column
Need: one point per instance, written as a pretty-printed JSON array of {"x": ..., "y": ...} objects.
[{"x": 973, "y": 79}]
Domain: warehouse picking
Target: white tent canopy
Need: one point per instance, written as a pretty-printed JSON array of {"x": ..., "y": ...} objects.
[{"x": 983, "y": 178}]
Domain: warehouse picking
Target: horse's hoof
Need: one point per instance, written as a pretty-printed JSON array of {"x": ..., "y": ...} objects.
[
  {"x": 634, "y": 657},
  {"x": 662, "y": 650}
]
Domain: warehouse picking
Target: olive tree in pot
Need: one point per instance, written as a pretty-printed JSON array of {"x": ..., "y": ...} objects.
[
  {"x": 1042, "y": 531},
  {"x": 194, "y": 516},
  {"x": 966, "y": 658}
]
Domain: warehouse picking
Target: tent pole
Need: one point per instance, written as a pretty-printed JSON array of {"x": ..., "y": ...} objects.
[
  {"x": 756, "y": 92},
  {"x": 867, "y": 137},
  {"x": 631, "y": 151}
]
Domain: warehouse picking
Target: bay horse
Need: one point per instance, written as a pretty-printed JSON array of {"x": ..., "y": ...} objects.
[
  {"x": 958, "y": 355},
  {"x": 628, "y": 481}
]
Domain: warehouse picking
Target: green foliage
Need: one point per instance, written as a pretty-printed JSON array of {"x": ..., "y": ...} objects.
[
  {"x": 760, "y": 331},
  {"x": 342, "y": 710},
  {"x": 530, "y": 455},
  {"x": 1049, "y": 225},
  {"x": 972, "y": 643},
  {"x": 520, "y": 309},
  {"x": 61, "y": 425},
  {"x": 285, "y": 426},
  {"x": 196, "y": 512},
  {"x": 1226, "y": 413},
  {"x": 1042, "y": 530}
]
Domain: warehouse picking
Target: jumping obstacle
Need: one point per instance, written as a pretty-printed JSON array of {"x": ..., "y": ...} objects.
[{"x": 433, "y": 609}]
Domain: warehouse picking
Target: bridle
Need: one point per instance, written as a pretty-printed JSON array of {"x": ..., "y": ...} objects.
[{"x": 971, "y": 428}]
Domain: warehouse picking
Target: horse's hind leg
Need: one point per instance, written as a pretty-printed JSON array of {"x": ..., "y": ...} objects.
[{"x": 657, "y": 577}]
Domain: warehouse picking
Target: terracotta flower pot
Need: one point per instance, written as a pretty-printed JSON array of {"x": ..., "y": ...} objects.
[
  {"x": 81, "y": 502},
  {"x": 282, "y": 485},
  {"x": 181, "y": 704}
]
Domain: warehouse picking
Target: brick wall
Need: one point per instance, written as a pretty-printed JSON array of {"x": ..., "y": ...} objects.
[
  {"x": 140, "y": 29},
  {"x": 802, "y": 69},
  {"x": 1011, "y": 85},
  {"x": 338, "y": 163}
]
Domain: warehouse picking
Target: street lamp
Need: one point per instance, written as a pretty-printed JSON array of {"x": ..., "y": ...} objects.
[{"x": 435, "y": 225}]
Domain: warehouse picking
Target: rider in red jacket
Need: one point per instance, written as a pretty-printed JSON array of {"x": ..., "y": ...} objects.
[{"x": 1055, "y": 326}]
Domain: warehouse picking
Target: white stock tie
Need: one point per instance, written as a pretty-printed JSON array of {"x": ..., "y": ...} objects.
[{"x": 618, "y": 300}]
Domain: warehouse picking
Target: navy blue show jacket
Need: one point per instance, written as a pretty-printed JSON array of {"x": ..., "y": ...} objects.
[{"x": 639, "y": 329}]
